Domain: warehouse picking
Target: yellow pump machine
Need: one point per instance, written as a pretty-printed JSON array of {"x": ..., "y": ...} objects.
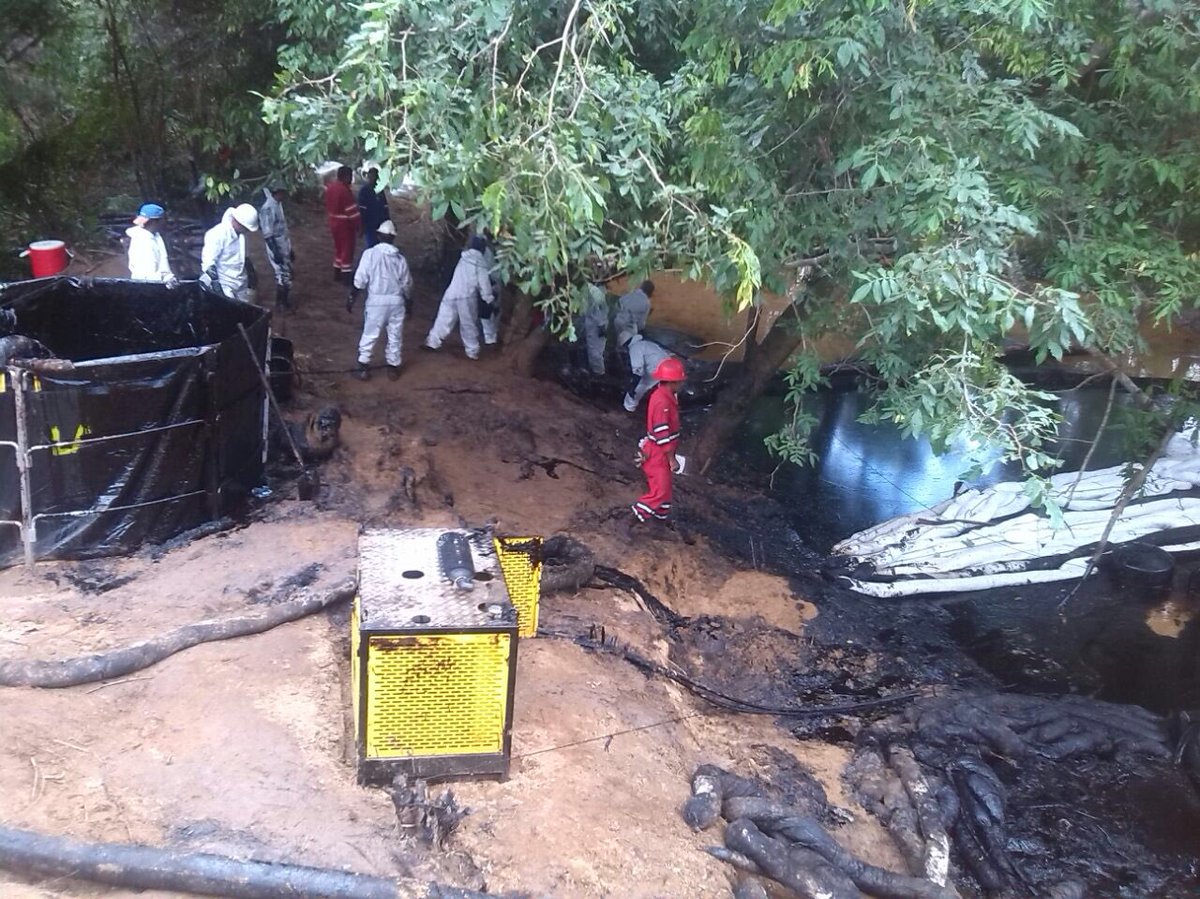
[{"x": 434, "y": 649}]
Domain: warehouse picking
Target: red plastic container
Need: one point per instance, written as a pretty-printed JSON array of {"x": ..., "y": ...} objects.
[{"x": 47, "y": 257}]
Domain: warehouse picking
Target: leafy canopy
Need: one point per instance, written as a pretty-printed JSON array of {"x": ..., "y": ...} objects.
[{"x": 933, "y": 176}]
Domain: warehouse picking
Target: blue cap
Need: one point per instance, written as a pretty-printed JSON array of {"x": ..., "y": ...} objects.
[{"x": 151, "y": 211}]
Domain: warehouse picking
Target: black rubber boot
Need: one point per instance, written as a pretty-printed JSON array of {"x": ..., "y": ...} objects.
[{"x": 362, "y": 372}]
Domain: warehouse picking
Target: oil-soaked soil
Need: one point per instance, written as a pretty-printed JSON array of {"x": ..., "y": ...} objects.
[{"x": 239, "y": 747}]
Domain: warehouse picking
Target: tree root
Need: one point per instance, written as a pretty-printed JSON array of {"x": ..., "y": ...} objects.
[
  {"x": 790, "y": 846},
  {"x": 799, "y": 870},
  {"x": 921, "y": 773},
  {"x": 147, "y": 868},
  {"x": 119, "y": 662}
]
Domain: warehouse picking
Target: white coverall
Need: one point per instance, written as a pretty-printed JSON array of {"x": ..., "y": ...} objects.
[
  {"x": 225, "y": 251},
  {"x": 491, "y": 324},
  {"x": 593, "y": 322},
  {"x": 148, "y": 256},
  {"x": 644, "y": 357},
  {"x": 383, "y": 271},
  {"x": 273, "y": 225},
  {"x": 459, "y": 305},
  {"x": 632, "y": 311}
]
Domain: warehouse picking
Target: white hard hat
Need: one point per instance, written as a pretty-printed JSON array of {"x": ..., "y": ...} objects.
[
  {"x": 247, "y": 216},
  {"x": 386, "y": 228}
]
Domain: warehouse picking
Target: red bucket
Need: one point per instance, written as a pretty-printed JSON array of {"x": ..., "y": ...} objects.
[{"x": 47, "y": 257}]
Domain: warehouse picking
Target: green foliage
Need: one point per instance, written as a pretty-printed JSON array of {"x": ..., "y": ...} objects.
[
  {"x": 129, "y": 98},
  {"x": 969, "y": 171}
]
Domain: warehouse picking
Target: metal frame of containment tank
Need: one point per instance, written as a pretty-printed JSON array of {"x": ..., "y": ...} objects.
[{"x": 148, "y": 420}]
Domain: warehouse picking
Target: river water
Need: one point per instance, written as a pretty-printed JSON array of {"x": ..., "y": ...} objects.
[{"x": 1111, "y": 641}]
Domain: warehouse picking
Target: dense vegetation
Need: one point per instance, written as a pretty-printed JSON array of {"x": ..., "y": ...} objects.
[
  {"x": 107, "y": 103},
  {"x": 931, "y": 176}
]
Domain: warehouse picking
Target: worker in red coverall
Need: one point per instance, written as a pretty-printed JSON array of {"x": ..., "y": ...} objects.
[
  {"x": 656, "y": 450},
  {"x": 341, "y": 209}
]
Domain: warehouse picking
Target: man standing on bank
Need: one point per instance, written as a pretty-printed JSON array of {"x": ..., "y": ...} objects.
[
  {"x": 373, "y": 206},
  {"x": 656, "y": 451},
  {"x": 383, "y": 273},
  {"x": 274, "y": 227},
  {"x": 342, "y": 214},
  {"x": 147, "y": 252}
]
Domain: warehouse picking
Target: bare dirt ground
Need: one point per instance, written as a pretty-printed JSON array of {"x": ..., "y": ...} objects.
[{"x": 238, "y": 747}]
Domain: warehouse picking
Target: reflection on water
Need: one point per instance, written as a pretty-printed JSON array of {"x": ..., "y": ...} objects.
[
  {"x": 1114, "y": 642},
  {"x": 869, "y": 473}
]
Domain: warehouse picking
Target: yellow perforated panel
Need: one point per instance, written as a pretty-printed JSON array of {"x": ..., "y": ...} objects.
[
  {"x": 520, "y": 562},
  {"x": 444, "y": 694}
]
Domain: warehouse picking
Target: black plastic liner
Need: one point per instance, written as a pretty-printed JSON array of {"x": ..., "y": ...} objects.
[{"x": 157, "y": 427}]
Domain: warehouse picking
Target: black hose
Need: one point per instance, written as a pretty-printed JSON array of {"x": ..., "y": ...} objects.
[
  {"x": 614, "y": 577},
  {"x": 716, "y": 697}
]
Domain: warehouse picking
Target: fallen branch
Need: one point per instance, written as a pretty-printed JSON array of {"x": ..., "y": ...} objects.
[
  {"x": 146, "y": 868},
  {"x": 120, "y": 662},
  {"x": 1132, "y": 486}
]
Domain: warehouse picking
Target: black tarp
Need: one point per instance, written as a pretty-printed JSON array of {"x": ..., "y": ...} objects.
[{"x": 157, "y": 427}]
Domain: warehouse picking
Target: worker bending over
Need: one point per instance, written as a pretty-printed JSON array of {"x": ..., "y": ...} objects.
[
  {"x": 645, "y": 356},
  {"x": 223, "y": 259},
  {"x": 460, "y": 303}
]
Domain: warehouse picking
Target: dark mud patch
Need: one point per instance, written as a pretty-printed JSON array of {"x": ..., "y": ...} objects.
[{"x": 1124, "y": 824}]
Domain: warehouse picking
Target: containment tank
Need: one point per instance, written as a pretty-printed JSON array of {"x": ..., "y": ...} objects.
[{"x": 128, "y": 413}]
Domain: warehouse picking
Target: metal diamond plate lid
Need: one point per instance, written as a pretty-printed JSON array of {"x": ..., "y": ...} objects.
[{"x": 401, "y": 585}]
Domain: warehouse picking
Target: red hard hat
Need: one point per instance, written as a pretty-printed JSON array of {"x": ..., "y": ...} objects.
[{"x": 670, "y": 369}]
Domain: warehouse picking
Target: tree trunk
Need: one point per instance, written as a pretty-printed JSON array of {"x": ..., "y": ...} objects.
[
  {"x": 524, "y": 342},
  {"x": 734, "y": 400}
]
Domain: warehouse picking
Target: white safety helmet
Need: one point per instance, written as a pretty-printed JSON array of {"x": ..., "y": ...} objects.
[
  {"x": 247, "y": 216},
  {"x": 386, "y": 228}
]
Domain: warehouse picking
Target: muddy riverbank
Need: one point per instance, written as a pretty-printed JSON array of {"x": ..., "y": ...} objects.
[{"x": 239, "y": 747}]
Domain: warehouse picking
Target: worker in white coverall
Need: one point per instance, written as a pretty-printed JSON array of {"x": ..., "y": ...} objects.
[
  {"x": 460, "y": 303},
  {"x": 383, "y": 273},
  {"x": 644, "y": 356},
  {"x": 592, "y": 324},
  {"x": 489, "y": 312},
  {"x": 633, "y": 309},
  {"x": 274, "y": 227},
  {"x": 147, "y": 252},
  {"x": 223, "y": 259}
]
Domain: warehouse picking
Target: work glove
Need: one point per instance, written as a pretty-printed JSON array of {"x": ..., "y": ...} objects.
[
  {"x": 291, "y": 255},
  {"x": 350, "y": 298},
  {"x": 172, "y": 282},
  {"x": 214, "y": 283},
  {"x": 486, "y": 309}
]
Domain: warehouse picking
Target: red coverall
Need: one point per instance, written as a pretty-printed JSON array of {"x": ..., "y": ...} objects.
[
  {"x": 342, "y": 211},
  {"x": 658, "y": 447}
]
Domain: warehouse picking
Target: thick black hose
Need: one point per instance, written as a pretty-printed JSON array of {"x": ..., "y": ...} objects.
[{"x": 147, "y": 868}]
